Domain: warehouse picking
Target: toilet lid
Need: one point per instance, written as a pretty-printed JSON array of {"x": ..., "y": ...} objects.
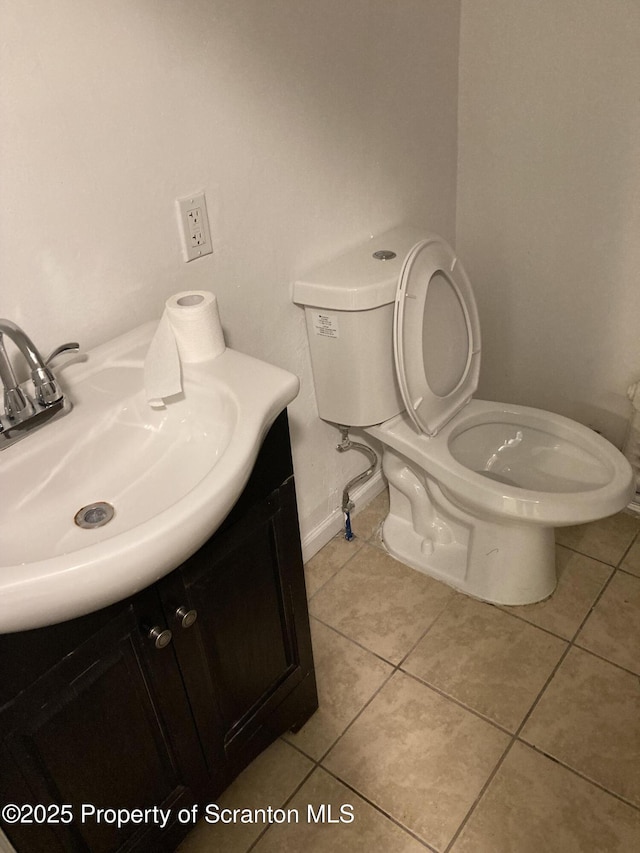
[{"x": 436, "y": 335}]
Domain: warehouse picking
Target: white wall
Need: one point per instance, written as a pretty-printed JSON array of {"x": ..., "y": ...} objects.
[
  {"x": 309, "y": 123},
  {"x": 548, "y": 213}
]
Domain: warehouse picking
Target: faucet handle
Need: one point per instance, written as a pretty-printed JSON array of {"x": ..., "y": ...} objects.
[
  {"x": 47, "y": 391},
  {"x": 46, "y": 387},
  {"x": 17, "y": 405},
  {"x": 70, "y": 347}
]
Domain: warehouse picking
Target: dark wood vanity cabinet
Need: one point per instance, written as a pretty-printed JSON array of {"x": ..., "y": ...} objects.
[
  {"x": 108, "y": 725},
  {"x": 95, "y": 714}
]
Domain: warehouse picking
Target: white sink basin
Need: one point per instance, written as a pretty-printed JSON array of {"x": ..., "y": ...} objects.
[{"x": 171, "y": 475}]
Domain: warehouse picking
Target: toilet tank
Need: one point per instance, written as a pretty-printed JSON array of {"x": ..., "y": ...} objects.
[{"x": 349, "y": 305}]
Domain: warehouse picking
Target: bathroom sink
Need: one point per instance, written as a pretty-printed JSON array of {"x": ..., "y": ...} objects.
[{"x": 167, "y": 476}]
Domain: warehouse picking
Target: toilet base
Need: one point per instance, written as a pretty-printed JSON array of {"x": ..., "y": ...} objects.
[{"x": 497, "y": 561}]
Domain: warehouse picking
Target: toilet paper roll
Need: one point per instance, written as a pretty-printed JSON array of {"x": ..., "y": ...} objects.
[
  {"x": 195, "y": 321},
  {"x": 162, "y": 372},
  {"x": 189, "y": 332}
]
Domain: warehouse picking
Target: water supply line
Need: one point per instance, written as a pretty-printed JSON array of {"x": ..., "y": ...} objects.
[{"x": 347, "y": 503}]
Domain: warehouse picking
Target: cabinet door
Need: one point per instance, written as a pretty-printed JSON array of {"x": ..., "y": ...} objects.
[
  {"x": 249, "y": 648},
  {"x": 109, "y": 727}
]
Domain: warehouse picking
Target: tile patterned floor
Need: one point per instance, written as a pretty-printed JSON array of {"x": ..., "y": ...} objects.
[{"x": 447, "y": 724}]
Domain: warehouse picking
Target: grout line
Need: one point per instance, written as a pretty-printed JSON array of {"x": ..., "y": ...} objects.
[
  {"x": 356, "y": 539},
  {"x": 284, "y": 804},
  {"x": 630, "y": 546},
  {"x": 606, "y": 660},
  {"x": 459, "y": 703},
  {"x": 317, "y": 765},
  {"x": 474, "y": 712},
  {"x": 379, "y": 809},
  {"x": 627, "y": 572},
  {"x": 283, "y": 738},
  {"x": 563, "y": 656},
  {"x": 357, "y": 716},
  {"x": 578, "y": 773},
  {"x": 355, "y": 642},
  {"x": 338, "y": 571},
  {"x": 481, "y": 794},
  {"x": 514, "y": 736},
  {"x": 581, "y": 775},
  {"x": 536, "y": 701},
  {"x": 603, "y": 589},
  {"x": 571, "y": 644},
  {"x": 397, "y": 668},
  {"x": 445, "y": 607},
  {"x": 575, "y": 550},
  {"x": 506, "y": 608}
]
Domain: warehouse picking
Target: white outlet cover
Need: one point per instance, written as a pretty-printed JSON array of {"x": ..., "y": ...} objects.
[{"x": 194, "y": 226}]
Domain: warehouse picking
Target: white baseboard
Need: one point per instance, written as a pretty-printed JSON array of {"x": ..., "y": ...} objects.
[{"x": 327, "y": 529}]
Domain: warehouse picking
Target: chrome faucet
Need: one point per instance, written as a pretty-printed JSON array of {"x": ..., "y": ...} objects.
[{"x": 25, "y": 411}]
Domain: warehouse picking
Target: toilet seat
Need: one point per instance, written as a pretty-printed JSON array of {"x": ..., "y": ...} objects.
[
  {"x": 436, "y": 335},
  {"x": 602, "y": 477}
]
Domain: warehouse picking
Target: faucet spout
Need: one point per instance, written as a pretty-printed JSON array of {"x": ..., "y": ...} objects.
[
  {"x": 44, "y": 383},
  {"x": 22, "y": 412},
  {"x": 17, "y": 404},
  {"x": 23, "y": 342},
  {"x": 7, "y": 376}
]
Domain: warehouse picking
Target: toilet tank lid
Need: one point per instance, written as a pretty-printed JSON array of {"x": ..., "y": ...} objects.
[{"x": 361, "y": 278}]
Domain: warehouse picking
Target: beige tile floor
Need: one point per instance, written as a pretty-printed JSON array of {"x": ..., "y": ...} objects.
[{"x": 447, "y": 724}]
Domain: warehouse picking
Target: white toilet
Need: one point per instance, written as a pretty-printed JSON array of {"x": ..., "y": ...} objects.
[{"x": 476, "y": 488}]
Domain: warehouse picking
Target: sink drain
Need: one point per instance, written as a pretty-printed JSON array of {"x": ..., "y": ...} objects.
[{"x": 94, "y": 515}]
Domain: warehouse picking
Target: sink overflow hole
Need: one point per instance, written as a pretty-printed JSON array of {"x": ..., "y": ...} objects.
[{"x": 94, "y": 515}]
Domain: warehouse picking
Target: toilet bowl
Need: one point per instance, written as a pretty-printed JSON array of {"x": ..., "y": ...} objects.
[
  {"x": 476, "y": 504},
  {"x": 476, "y": 488}
]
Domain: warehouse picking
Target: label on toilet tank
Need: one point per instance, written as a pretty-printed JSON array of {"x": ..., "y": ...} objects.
[{"x": 325, "y": 325}]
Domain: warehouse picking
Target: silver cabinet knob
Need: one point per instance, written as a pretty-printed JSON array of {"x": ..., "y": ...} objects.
[
  {"x": 160, "y": 637},
  {"x": 186, "y": 617}
]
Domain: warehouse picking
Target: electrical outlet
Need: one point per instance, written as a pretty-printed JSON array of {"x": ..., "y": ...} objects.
[{"x": 194, "y": 226}]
